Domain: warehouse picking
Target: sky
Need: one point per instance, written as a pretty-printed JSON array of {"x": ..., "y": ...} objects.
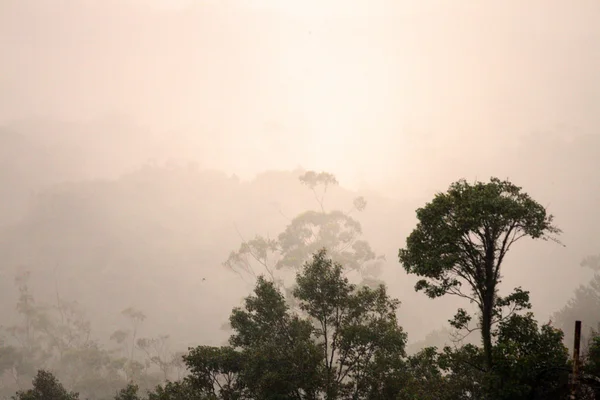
[{"x": 359, "y": 87}]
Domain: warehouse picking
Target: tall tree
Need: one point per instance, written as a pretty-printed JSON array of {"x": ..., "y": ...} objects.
[
  {"x": 357, "y": 330},
  {"x": 337, "y": 231},
  {"x": 462, "y": 238},
  {"x": 344, "y": 343}
]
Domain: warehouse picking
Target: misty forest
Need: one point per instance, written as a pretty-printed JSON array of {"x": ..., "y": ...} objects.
[{"x": 281, "y": 199}]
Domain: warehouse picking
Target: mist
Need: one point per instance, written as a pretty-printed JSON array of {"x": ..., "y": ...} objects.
[{"x": 142, "y": 141}]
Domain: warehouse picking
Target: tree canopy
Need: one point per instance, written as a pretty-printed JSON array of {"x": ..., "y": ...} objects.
[
  {"x": 345, "y": 343},
  {"x": 463, "y": 237},
  {"x": 336, "y": 230}
]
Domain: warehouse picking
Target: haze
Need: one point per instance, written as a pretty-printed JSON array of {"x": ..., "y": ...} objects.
[{"x": 111, "y": 109}]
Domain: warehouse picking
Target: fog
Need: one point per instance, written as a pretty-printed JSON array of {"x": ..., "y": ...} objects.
[{"x": 144, "y": 137}]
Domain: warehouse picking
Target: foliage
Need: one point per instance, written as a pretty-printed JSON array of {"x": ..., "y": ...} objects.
[
  {"x": 591, "y": 366},
  {"x": 179, "y": 390},
  {"x": 356, "y": 328},
  {"x": 530, "y": 362},
  {"x": 463, "y": 237},
  {"x": 345, "y": 344},
  {"x": 48, "y": 335},
  {"x": 129, "y": 392},
  {"x": 46, "y": 387},
  {"x": 58, "y": 337},
  {"x": 357, "y": 349},
  {"x": 424, "y": 380},
  {"x": 279, "y": 360},
  {"x": 337, "y": 340},
  {"x": 215, "y": 370},
  {"x": 313, "y": 180},
  {"x": 158, "y": 353},
  {"x": 583, "y": 305},
  {"x": 305, "y": 234}
]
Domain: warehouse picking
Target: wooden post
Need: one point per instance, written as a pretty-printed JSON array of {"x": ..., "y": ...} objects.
[{"x": 576, "y": 349}]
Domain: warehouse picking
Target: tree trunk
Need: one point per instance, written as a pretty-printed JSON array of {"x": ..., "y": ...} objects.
[
  {"x": 489, "y": 297},
  {"x": 486, "y": 327}
]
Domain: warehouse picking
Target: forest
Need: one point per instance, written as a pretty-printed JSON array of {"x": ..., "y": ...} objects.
[
  {"x": 304, "y": 200},
  {"x": 319, "y": 322}
]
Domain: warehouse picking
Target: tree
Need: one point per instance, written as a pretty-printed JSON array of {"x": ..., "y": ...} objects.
[
  {"x": 590, "y": 371},
  {"x": 462, "y": 238},
  {"x": 530, "y": 362},
  {"x": 583, "y": 305},
  {"x": 279, "y": 359},
  {"x": 425, "y": 380},
  {"x": 313, "y": 180},
  {"x": 46, "y": 387},
  {"x": 345, "y": 342},
  {"x": 271, "y": 354},
  {"x": 129, "y": 392},
  {"x": 127, "y": 339},
  {"x": 361, "y": 342},
  {"x": 92, "y": 371},
  {"x": 180, "y": 390},
  {"x": 336, "y": 230},
  {"x": 57, "y": 337},
  {"x": 215, "y": 371},
  {"x": 158, "y": 353},
  {"x": 32, "y": 348},
  {"x": 137, "y": 318}
]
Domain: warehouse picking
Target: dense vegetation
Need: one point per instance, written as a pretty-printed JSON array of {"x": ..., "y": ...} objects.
[{"x": 321, "y": 325}]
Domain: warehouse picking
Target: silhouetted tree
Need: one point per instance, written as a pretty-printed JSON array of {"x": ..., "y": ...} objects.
[
  {"x": 46, "y": 387},
  {"x": 463, "y": 237}
]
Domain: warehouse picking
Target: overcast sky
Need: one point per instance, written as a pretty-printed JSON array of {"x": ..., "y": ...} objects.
[{"x": 365, "y": 88}]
